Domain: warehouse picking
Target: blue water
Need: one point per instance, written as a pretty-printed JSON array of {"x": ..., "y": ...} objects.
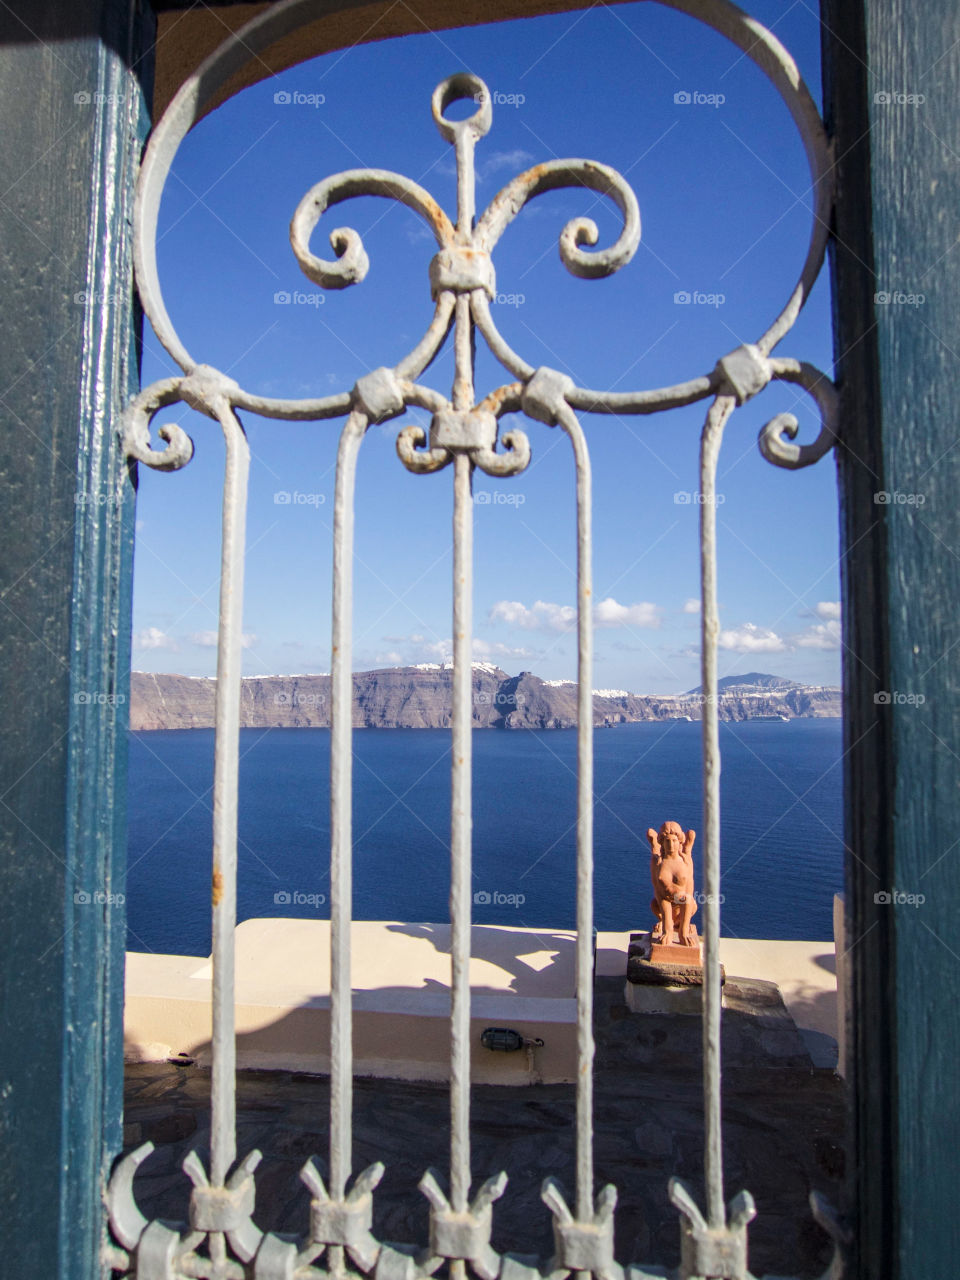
[{"x": 781, "y": 826}]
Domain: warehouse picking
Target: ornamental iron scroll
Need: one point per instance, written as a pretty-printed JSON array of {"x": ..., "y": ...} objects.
[{"x": 221, "y": 1241}]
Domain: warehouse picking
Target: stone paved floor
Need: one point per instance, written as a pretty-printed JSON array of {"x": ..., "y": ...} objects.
[{"x": 783, "y": 1132}]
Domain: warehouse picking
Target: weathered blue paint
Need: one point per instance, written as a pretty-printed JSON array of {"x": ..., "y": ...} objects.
[
  {"x": 899, "y": 189},
  {"x": 67, "y": 365}
]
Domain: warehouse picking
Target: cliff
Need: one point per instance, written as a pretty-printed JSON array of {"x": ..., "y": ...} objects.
[{"x": 420, "y": 698}]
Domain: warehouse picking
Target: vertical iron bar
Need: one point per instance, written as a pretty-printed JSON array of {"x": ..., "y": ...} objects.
[
  {"x": 461, "y": 788},
  {"x": 461, "y": 765},
  {"x": 710, "y": 441},
  {"x": 223, "y": 1141},
  {"x": 461, "y": 823},
  {"x": 341, "y": 816},
  {"x": 466, "y": 140},
  {"x": 585, "y": 1045}
]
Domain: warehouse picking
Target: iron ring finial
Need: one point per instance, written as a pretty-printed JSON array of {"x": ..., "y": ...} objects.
[{"x": 457, "y": 88}]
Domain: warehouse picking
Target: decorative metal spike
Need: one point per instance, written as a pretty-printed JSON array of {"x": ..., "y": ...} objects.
[
  {"x": 582, "y": 1246},
  {"x": 464, "y": 1234},
  {"x": 126, "y": 1221},
  {"x": 719, "y": 1252},
  {"x": 347, "y": 1223}
]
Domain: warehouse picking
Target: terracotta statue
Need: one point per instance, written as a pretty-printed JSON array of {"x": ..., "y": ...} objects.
[{"x": 671, "y": 870}]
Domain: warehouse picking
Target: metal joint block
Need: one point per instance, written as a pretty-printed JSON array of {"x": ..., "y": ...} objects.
[
  {"x": 545, "y": 395},
  {"x": 219, "y": 1209},
  {"x": 227, "y": 1209},
  {"x": 462, "y": 269},
  {"x": 204, "y": 386},
  {"x": 345, "y": 1222},
  {"x": 378, "y": 395},
  {"x": 340, "y": 1222},
  {"x": 582, "y": 1246},
  {"x": 458, "y": 1235},
  {"x": 464, "y": 1233},
  {"x": 717, "y": 1252},
  {"x": 743, "y": 372},
  {"x": 463, "y": 431}
]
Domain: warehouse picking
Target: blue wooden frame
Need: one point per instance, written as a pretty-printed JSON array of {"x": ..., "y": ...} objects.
[
  {"x": 898, "y": 192},
  {"x": 67, "y": 365}
]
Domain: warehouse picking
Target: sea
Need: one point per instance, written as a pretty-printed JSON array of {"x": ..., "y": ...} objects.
[{"x": 781, "y": 833}]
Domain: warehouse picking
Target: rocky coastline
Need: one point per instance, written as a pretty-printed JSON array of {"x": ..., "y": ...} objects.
[{"x": 420, "y": 698}]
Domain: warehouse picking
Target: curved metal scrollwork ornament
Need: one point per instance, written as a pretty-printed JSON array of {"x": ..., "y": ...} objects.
[
  {"x": 463, "y": 283},
  {"x": 465, "y": 431}
]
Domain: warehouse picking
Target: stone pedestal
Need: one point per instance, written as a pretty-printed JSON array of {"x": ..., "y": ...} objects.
[
  {"x": 672, "y": 953},
  {"x": 664, "y": 978}
]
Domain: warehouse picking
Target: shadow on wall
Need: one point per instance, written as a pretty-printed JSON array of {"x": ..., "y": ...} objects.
[
  {"x": 548, "y": 977},
  {"x": 816, "y": 1013}
]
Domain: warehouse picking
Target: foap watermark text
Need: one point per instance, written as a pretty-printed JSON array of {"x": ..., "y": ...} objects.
[
  {"x": 683, "y": 498},
  {"x": 284, "y": 498},
  {"x": 498, "y": 699},
  {"x": 897, "y": 898},
  {"x": 897, "y": 698},
  {"x": 294, "y": 898},
  {"x": 297, "y": 298},
  {"x": 295, "y": 98},
  {"x": 695, "y": 98},
  {"x": 498, "y": 498},
  {"x": 697, "y": 298},
  {"x": 299, "y": 699},
  {"x": 494, "y": 898}
]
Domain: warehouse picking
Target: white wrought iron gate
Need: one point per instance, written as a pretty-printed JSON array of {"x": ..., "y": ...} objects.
[{"x": 222, "y": 1241}]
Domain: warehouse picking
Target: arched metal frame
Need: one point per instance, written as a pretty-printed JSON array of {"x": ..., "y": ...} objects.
[{"x": 222, "y": 1240}]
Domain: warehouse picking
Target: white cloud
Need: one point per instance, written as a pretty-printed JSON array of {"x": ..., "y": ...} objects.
[
  {"x": 692, "y": 605},
  {"x": 516, "y": 160},
  {"x": 829, "y": 609},
  {"x": 208, "y": 639},
  {"x": 543, "y": 615},
  {"x": 442, "y": 649},
  {"x": 486, "y": 649},
  {"x": 823, "y": 635},
  {"x": 609, "y": 613},
  {"x": 418, "y": 232},
  {"x": 154, "y": 638},
  {"x": 751, "y": 639},
  {"x": 409, "y": 650}
]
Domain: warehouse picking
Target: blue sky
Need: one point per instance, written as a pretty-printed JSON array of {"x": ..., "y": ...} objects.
[{"x": 724, "y": 199}]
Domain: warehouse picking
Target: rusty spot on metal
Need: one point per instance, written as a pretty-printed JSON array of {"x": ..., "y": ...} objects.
[
  {"x": 217, "y": 887},
  {"x": 495, "y": 400},
  {"x": 436, "y": 215}
]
